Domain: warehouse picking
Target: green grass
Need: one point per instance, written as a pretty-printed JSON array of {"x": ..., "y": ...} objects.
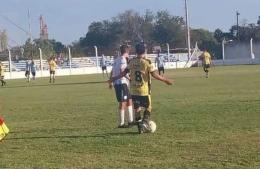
[{"x": 202, "y": 123}]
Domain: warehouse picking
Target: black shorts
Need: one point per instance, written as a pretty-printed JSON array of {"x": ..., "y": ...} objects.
[
  {"x": 33, "y": 73},
  {"x": 142, "y": 101},
  {"x": 122, "y": 92},
  {"x": 104, "y": 68},
  {"x": 2, "y": 77},
  {"x": 206, "y": 66},
  {"x": 161, "y": 69},
  {"x": 27, "y": 73},
  {"x": 52, "y": 72}
]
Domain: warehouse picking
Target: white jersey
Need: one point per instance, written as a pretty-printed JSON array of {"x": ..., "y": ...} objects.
[
  {"x": 159, "y": 61},
  {"x": 120, "y": 63},
  {"x": 33, "y": 67},
  {"x": 103, "y": 61},
  {"x": 27, "y": 67}
]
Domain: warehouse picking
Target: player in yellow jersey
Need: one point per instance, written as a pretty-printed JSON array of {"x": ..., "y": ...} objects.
[
  {"x": 53, "y": 66},
  {"x": 206, "y": 62},
  {"x": 2, "y": 74},
  {"x": 141, "y": 70}
]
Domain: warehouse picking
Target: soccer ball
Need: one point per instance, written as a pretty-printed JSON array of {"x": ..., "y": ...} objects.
[{"x": 152, "y": 126}]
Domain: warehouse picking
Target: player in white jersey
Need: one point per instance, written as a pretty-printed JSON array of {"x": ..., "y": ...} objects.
[
  {"x": 27, "y": 71},
  {"x": 121, "y": 88},
  {"x": 33, "y": 69},
  {"x": 159, "y": 61},
  {"x": 104, "y": 65}
]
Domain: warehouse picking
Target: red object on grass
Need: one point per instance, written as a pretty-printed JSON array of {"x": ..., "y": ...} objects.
[{"x": 1, "y": 121}]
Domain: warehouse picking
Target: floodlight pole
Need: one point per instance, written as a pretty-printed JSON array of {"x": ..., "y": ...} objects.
[
  {"x": 237, "y": 14},
  {"x": 69, "y": 58},
  {"x": 251, "y": 49},
  {"x": 40, "y": 50},
  {"x": 168, "y": 53},
  {"x": 10, "y": 62},
  {"x": 29, "y": 23},
  {"x": 96, "y": 53},
  {"x": 223, "y": 50},
  {"x": 187, "y": 28}
]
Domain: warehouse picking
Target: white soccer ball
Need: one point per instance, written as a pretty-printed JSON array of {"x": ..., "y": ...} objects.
[{"x": 152, "y": 125}]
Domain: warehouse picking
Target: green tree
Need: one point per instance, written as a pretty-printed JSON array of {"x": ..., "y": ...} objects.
[{"x": 169, "y": 29}]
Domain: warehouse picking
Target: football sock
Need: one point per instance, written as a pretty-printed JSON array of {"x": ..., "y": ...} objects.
[
  {"x": 130, "y": 114},
  {"x": 121, "y": 117}
]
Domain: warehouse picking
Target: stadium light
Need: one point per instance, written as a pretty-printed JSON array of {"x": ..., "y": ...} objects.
[{"x": 223, "y": 47}]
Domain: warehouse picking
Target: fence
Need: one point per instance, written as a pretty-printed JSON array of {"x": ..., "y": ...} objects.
[{"x": 83, "y": 65}]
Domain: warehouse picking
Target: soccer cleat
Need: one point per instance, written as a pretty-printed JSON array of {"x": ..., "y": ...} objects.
[
  {"x": 140, "y": 128},
  {"x": 146, "y": 126}
]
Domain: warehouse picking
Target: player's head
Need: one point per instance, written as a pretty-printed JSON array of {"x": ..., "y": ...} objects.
[
  {"x": 140, "y": 48},
  {"x": 124, "y": 49}
]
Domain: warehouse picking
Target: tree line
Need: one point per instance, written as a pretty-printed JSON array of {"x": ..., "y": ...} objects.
[{"x": 155, "y": 29}]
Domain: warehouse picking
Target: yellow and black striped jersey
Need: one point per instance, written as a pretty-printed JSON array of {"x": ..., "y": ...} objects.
[{"x": 140, "y": 69}]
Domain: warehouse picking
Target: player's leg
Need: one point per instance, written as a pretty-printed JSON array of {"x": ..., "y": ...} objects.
[
  {"x": 28, "y": 76},
  {"x": 138, "y": 100},
  {"x": 2, "y": 80},
  {"x": 50, "y": 76},
  {"x": 54, "y": 77},
  {"x": 159, "y": 70},
  {"x": 33, "y": 74},
  {"x": 148, "y": 108},
  {"x": 144, "y": 125},
  {"x": 129, "y": 104},
  {"x": 103, "y": 71},
  {"x": 121, "y": 111},
  {"x": 107, "y": 72},
  {"x": 137, "y": 108},
  {"x": 163, "y": 70},
  {"x": 206, "y": 69},
  {"x": 130, "y": 112},
  {"x": 122, "y": 105}
]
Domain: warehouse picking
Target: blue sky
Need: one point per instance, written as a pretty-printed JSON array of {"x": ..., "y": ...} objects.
[{"x": 68, "y": 20}]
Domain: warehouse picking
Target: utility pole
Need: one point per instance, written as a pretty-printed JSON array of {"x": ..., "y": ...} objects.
[
  {"x": 29, "y": 22},
  {"x": 237, "y": 14},
  {"x": 187, "y": 28}
]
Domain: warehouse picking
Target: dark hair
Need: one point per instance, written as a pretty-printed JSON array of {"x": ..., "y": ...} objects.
[
  {"x": 140, "y": 48},
  {"x": 124, "y": 49}
]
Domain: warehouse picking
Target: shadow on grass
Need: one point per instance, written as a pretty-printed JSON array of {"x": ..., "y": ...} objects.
[
  {"x": 102, "y": 135},
  {"x": 53, "y": 84}
]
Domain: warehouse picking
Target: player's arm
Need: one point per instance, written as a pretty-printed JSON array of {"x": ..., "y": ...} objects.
[
  {"x": 161, "y": 78},
  {"x": 122, "y": 74}
]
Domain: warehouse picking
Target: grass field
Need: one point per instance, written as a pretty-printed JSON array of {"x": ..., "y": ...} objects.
[{"x": 202, "y": 123}]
